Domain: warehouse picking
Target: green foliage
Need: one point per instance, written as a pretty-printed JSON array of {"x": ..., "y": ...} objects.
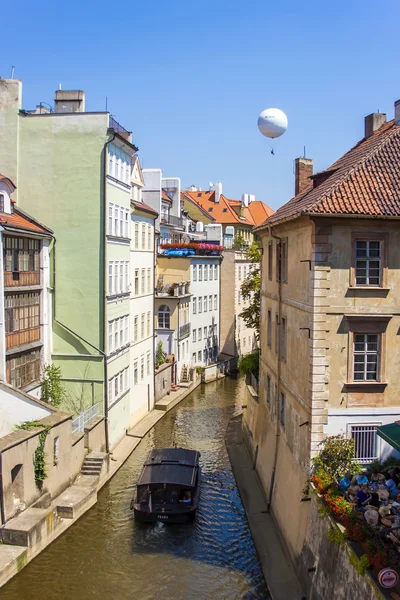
[
  {"x": 384, "y": 466},
  {"x": 160, "y": 355},
  {"x": 251, "y": 289},
  {"x": 53, "y": 391},
  {"x": 249, "y": 363},
  {"x": 199, "y": 369},
  {"x": 239, "y": 243},
  {"x": 39, "y": 459},
  {"x": 336, "y": 536},
  {"x": 360, "y": 565},
  {"x": 336, "y": 457}
]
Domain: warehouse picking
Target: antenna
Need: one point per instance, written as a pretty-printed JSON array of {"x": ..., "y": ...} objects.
[
  {"x": 12, "y": 71},
  {"x": 304, "y": 155},
  {"x": 106, "y": 104}
]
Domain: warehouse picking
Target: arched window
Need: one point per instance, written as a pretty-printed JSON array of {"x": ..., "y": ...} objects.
[{"x": 164, "y": 317}]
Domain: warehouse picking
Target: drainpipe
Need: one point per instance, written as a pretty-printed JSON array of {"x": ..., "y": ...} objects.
[
  {"x": 3, "y": 516},
  {"x": 278, "y": 387}
]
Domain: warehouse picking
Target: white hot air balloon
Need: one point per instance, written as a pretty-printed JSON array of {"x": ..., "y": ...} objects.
[{"x": 272, "y": 122}]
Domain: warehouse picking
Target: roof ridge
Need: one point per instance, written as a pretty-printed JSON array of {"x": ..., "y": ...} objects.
[{"x": 355, "y": 168}]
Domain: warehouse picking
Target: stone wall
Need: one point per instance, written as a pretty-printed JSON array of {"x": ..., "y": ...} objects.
[{"x": 162, "y": 380}]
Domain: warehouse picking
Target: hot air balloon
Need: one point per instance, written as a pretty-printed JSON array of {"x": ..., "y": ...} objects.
[{"x": 272, "y": 122}]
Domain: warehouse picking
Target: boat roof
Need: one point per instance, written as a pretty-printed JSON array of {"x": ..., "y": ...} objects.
[{"x": 170, "y": 465}]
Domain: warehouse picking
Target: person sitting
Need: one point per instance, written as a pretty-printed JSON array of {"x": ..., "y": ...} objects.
[
  {"x": 396, "y": 505},
  {"x": 377, "y": 477},
  {"x": 391, "y": 486},
  {"x": 186, "y": 497},
  {"x": 362, "y": 497},
  {"x": 360, "y": 479},
  {"x": 344, "y": 483}
]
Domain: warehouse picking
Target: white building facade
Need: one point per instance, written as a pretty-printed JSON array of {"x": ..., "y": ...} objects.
[{"x": 246, "y": 340}]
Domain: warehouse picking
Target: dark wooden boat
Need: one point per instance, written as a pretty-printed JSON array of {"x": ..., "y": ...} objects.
[{"x": 169, "y": 486}]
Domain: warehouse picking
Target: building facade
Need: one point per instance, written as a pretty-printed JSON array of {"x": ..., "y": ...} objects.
[
  {"x": 329, "y": 322},
  {"x": 163, "y": 195},
  {"x": 205, "y": 311}
]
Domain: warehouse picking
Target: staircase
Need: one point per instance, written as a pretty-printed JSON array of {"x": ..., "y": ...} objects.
[
  {"x": 93, "y": 464},
  {"x": 184, "y": 378}
]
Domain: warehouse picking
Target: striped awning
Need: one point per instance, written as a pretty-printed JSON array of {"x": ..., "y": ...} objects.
[{"x": 391, "y": 434}]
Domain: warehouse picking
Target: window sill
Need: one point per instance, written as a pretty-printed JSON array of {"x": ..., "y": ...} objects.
[
  {"x": 365, "y": 386},
  {"x": 369, "y": 290},
  {"x": 118, "y": 238},
  {"x": 117, "y": 296}
]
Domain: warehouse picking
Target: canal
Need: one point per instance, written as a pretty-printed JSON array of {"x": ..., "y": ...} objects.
[{"x": 107, "y": 555}]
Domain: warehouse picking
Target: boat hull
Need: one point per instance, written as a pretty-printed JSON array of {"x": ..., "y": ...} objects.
[{"x": 176, "y": 517}]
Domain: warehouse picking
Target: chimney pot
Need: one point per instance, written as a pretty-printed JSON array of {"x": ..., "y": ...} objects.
[
  {"x": 372, "y": 122},
  {"x": 303, "y": 172},
  {"x": 397, "y": 112}
]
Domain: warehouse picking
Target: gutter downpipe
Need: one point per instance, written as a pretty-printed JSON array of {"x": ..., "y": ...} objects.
[
  {"x": 3, "y": 515},
  {"x": 278, "y": 387},
  {"x": 74, "y": 332}
]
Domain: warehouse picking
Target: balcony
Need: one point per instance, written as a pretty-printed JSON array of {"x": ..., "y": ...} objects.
[
  {"x": 20, "y": 278},
  {"x": 166, "y": 219},
  {"x": 191, "y": 249},
  {"x": 184, "y": 331},
  {"x": 25, "y": 336},
  {"x": 113, "y": 124}
]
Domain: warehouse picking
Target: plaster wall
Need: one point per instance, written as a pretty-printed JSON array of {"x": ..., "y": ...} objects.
[
  {"x": 205, "y": 319},
  {"x": 16, "y": 408},
  {"x": 227, "y": 303}
]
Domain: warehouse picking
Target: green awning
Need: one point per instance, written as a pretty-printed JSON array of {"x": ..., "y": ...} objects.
[{"x": 391, "y": 434}]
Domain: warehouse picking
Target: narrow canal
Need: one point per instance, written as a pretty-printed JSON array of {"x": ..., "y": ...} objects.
[{"x": 107, "y": 555}]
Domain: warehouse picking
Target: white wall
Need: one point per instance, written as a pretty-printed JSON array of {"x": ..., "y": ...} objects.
[
  {"x": 202, "y": 289},
  {"x": 245, "y": 336},
  {"x": 16, "y": 407}
]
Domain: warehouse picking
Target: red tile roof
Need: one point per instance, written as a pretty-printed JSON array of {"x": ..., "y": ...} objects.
[
  {"x": 363, "y": 182},
  {"x": 144, "y": 207},
  {"x": 224, "y": 210},
  {"x": 20, "y": 220}
]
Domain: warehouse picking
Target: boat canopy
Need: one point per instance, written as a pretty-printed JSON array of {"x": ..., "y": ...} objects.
[{"x": 174, "y": 466}]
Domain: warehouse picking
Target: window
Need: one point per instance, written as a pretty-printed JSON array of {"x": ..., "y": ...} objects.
[
  {"x": 199, "y": 356},
  {"x": 215, "y": 272},
  {"x": 200, "y": 272},
  {"x": 284, "y": 260},
  {"x": 136, "y": 282},
  {"x": 164, "y": 317},
  {"x": 121, "y": 278},
  {"x": 194, "y": 335},
  {"x": 149, "y": 237},
  {"x": 148, "y": 363},
  {"x": 368, "y": 262},
  {"x": 269, "y": 329},
  {"x": 283, "y": 340},
  {"x": 268, "y": 391},
  {"x": 205, "y": 273},
  {"x": 244, "y": 342},
  {"x": 194, "y": 272},
  {"x": 116, "y": 340},
  {"x": 366, "y": 357},
  {"x": 136, "y": 236},
  {"x": 240, "y": 273},
  {"x": 278, "y": 262},
  {"x": 143, "y": 283},
  {"x": 200, "y": 336},
  {"x": 126, "y": 223},
  {"x": 142, "y": 326},
  {"x": 135, "y": 328},
  {"x": 205, "y": 303},
  {"x": 110, "y": 278},
  {"x": 365, "y": 442},
  {"x": 110, "y": 218},
  {"x": 270, "y": 259},
  {"x": 149, "y": 281},
  {"x": 116, "y": 281},
  {"x": 143, "y": 236},
  {"x": 209, "y": 302},
  {"x": 282, "y": 416},
  {"x": 276, "y": 333},
  {"x": 126, "y": 329},
  {"x": 21, "y": 254},
  {"x": 205, "y": 355},
  {"x": 141, "y": 368},
  {"x": 126, "y": 276},
  {"x": 148, "y": 324},
  {"x": 239, "y": 297},
  {"x": 56, "y": 450},
  {"x": 110, "y": 336},
  {"x": 239, "y": 323},
  {"x": 205, "y": 332},
  {"x": 23, "y": 369},
  {"x": 244, "y": 272},
  {"x": 22, "y": 312},
  {"x": 135, "y": 372},
  {"x": 215, "y": 302},
  {"x": 121, "y": 222},
  {"x": 194, "y": 357},
  {"x": 200, "y": 304},
  {"x": 194, "y": 305},
  {"x": 121, "y": 332}
]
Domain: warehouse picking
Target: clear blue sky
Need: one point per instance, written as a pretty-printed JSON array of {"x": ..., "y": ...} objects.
[{"x": 190, "y": 78}]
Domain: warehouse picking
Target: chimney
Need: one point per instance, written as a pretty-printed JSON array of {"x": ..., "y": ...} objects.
[
  {"x": 303, "y": 172},
  {"x": 372, "y": 122},
  {"x": 397, "y": 112},
  {"x": 245, "y": 200},
  {"x": 218, "y": 192},
  {"x": 69, "y": 101}
]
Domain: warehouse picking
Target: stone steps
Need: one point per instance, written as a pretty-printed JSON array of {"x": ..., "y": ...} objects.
[{"x": 93, "y": 464}]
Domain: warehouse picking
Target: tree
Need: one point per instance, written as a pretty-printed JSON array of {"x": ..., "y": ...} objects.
[
  {"x": 249, "y": 363},
  {"x": 53, "y": 391},
  {"x": 336, "y": 456},
  {"x": 239, "y": 243},
  {"x": 251, "y": 290}
]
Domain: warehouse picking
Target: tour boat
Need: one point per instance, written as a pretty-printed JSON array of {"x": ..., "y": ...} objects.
[{"x": 169, "y": 486}]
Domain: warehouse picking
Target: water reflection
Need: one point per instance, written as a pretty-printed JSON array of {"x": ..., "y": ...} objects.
[{"x": 107, "y": 554}]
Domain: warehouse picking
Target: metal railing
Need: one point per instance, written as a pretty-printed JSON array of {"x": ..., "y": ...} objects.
[
  {"x": 365, "y": 442},
  {"x": 252, "y": 380},
  {"x": 113, "y": 124},
  {"x": 78, "y": 424},
  {"x": 184, "y": 330},
  {"x": 171, "y": 220}
]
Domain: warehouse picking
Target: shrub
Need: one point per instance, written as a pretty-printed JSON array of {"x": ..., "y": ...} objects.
[
  {"x": 52, "y": 389},
  {"x": 336, "y": 456},
  {"x": 249, "y": 363}
]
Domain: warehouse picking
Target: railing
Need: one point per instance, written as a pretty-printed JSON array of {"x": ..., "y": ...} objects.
[
  {"x": 252, "y": 380},
  {"x": 78, "y": 424},
  {"x": 227, "y": 242},
  {"x": 171, "y": 220},
  {"x": 113, "y": 124},
  {"x": 26, "y": 336},
  {"x": 15, "y": 278},
  {"x": 184, "y": 330},
  {"x": 365, "y": 443}
]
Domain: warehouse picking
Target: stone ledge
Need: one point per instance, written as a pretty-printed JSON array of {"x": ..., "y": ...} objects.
[{"x": 71, "y": 501}]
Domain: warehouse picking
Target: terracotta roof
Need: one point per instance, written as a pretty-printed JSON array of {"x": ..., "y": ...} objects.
[
  {"x": 164, "y": 196},
  {"x": 364, "y": 182},
  {"x": 223, "y": 211},
  {"x": 144, "y": 207},
  {"x": 259, "y": 211},
  {"x": 21, "y": 220}
]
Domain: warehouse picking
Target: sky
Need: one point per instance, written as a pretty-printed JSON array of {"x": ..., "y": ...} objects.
[{"x": 189, "y": 79}]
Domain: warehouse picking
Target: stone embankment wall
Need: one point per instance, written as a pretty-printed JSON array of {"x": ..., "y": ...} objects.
[{"x": 162, "y": 380}]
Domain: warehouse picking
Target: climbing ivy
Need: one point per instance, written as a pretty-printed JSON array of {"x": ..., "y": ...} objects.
[
  {"x": 53, "y": 391},
  {"x": 39, "y": 459}
]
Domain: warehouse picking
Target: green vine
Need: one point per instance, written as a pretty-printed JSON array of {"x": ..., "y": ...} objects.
[
  {"x": 336, "y": 536},
  {"x": 53, "y": 391},
  {"x": 39, "y": 459},
  {"x": 360, "y": 565}
]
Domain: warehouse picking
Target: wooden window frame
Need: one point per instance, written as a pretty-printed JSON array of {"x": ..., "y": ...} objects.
[
  {"x": 370, "y": 236},
  {"x": 270, "y": 259}
]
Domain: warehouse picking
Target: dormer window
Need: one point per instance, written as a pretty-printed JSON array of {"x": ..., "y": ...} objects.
[{"x": 1, "y": 202}]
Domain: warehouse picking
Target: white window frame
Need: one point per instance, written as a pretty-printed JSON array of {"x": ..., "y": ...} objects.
[
  {"x": 366, "y": 353},
  {"x": 194, "y": 305}
]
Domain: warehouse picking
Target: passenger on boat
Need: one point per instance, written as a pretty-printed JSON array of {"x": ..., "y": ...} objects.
[{"x": 186, "y": 497}]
